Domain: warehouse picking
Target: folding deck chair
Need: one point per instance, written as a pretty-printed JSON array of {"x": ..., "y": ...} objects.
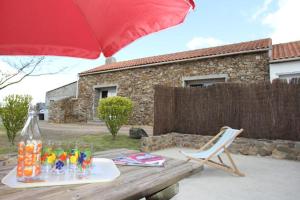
[{"x": 227, "y": 136}]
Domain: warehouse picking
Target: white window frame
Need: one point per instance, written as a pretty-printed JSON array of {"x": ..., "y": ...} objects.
[
  {"x": 288, "y": 76},
  {"x": 203, "y": 77}
]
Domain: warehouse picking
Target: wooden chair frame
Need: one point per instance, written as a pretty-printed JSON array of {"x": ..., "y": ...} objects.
[{"x": 219, "y": 165}]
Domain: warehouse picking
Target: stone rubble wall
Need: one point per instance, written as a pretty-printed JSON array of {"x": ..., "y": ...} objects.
[
  {"x": 56, "y": 111},
  {"x": 67, "y": 110},
  {"x": 280, "y": 149}
]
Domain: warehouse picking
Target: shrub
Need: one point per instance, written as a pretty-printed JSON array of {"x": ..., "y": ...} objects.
[
  {"x": 115, "y": 111},
  {"x": 14, "y": 113}
]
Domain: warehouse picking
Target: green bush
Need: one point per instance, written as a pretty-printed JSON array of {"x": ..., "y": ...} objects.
[
  {"x": 14, "y": 114},
  {"x": 115, "y": 112}
]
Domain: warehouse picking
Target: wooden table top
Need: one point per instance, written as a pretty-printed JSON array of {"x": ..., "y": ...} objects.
[{"x": 133, "y": 183}]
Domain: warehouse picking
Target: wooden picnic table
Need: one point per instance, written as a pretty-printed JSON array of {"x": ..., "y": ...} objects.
[{"x": 134, "y": 182}]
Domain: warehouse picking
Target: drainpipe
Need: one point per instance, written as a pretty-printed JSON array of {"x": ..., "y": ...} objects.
[
  {"x": 77, "y": 86},
  {"x": 270, "y": 59}
]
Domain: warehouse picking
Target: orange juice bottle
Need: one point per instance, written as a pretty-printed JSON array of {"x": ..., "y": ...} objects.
[{"x": 29, "y": 151}]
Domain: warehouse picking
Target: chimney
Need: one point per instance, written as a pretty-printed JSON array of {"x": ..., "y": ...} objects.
[{"x": 110, "y": 60}]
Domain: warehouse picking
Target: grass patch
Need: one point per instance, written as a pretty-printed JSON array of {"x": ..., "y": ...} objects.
[
  {"x": 2, "y": 130},
  {"x": 8, "y": 149},
  {"x": 105, "y": 142},
  {"x": 5, "y": 146},
  {"x": 100, "y": 142}
]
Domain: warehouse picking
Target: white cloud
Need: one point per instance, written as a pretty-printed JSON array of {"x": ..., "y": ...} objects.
[
  {"x": 5, "y": 68},
  {"x": 202, "y": 42},
  {"x": 284, "y": 21},
  {"x": 37, "y": 86},
  {"x": 262, "y": 9}
]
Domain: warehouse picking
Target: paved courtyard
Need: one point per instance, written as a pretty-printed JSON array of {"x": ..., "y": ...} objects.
[{"x": 266, "y": 178}]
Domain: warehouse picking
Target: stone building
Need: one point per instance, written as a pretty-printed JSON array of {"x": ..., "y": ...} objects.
[
  {"x": 285, "y": 61},
  {"x": 54, "y": 111},
  {"x": 65, "y": 91},
  {"x": 241, "y": 62}
]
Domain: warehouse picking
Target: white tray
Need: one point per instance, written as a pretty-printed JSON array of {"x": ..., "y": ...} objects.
[{"x": 103, "y": 170}]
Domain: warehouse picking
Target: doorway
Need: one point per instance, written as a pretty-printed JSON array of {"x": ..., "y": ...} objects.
[{"x": 102, "y": 93}]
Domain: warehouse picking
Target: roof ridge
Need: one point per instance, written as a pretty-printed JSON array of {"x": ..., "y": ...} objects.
[
  {"x": 283, "y": 43},
  {"x": 194, "y": 50},
  {"x": 204, "y": 52},
  {"x": 295, "y": 47},
  {"x": 202, "y": 49},
  {"x": 287, "y": 50}
]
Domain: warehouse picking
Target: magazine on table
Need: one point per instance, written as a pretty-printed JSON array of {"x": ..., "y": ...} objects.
[{"x": 140, "y": 159}]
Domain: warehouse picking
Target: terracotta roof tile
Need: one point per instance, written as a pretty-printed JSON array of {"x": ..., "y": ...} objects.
[
  {"x": 207, "y": 52},
  {"x": 286, "y": 50}
]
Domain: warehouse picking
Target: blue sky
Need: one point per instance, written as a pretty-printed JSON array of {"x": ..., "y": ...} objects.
[
  {"x": 226, "y": 20},
  {"x": 212, "y": 23}
]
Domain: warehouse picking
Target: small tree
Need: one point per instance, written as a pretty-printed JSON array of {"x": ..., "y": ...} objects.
[
  {"x": 115, "y": 111},
  {"x": 14, "y": 113}
]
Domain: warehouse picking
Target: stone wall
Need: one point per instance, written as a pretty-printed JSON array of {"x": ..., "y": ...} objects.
[
  {"x": 67, "y": 110},
  {"x": 280, "y": 149},
  {"x": 56, "y": 111},
  {"x": 138, "y": 84}
]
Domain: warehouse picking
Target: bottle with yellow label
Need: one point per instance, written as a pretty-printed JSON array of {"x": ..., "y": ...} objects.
[{"x": 29, "y": 151}]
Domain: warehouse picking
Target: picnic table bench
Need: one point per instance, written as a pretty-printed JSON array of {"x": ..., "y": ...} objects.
[{"x": 134, "y": 182}]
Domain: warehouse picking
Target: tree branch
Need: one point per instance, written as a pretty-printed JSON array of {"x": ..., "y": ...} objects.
[
  {"x": 50, "y": 73},
  {"x": 24, "y": 69},
  {"x": 14, "y": 82}
]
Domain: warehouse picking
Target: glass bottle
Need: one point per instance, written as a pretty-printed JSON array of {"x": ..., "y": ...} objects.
[{"x": 29, "y": 150}]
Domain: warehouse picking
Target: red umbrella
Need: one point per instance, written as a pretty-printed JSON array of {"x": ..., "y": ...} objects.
[{"x": 82, "y": 28}]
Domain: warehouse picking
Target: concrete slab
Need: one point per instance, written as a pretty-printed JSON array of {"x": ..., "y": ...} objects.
[{"x": 266, "y": 178}]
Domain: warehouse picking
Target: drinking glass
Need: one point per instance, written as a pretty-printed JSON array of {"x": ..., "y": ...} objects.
[
  {"x": 48, "y": 156},
  {"x": 60, "y": 159},
  {"x": 73, "y": 155},
  {"x": 84, "y": 164}
]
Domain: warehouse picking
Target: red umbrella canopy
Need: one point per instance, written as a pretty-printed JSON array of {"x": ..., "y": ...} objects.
[{"x": 83, "y": 28}]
